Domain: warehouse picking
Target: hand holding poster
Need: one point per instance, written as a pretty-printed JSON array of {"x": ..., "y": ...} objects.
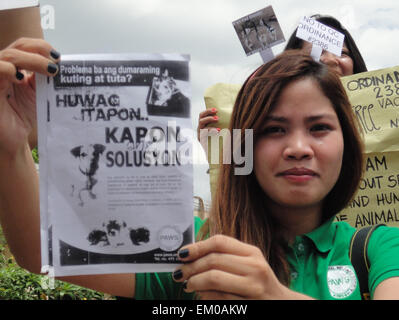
[{"x": 115, "y": 164}]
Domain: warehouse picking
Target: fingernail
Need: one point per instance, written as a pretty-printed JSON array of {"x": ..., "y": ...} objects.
[
  {"x": 185, "y": 285},
  {"x": 178, "y": 274},
  {"x": 19, "y": 75},
  {"x": 183, "y": 253},
  {"x": 214, "y": 110},
  {"x": 218, "y": 129},
  {"x": 52, "y": 68},
  {"x": 216, "y": 117},
  {"x": 55, "y": 54}
]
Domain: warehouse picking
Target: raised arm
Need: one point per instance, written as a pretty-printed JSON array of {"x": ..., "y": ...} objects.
[
  {"x": 17, "y": 23},
  {"x": 19, "y": 185}
]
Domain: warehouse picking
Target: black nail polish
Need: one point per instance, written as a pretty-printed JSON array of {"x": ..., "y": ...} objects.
[
  {"x": 54, "y": 54},
  {"x": 183, "y": 253},
  {"x": 52, "y": 68},
  {"x": 19, "y": 75},
  {"x": 178, "y": 274},
  {"x": 185, "y": 285}
]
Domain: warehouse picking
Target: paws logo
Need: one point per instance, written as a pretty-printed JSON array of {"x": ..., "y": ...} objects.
[{"x": 341, "y": 281}]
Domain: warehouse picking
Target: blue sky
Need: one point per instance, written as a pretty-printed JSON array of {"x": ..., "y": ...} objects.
[{"x": 203, "y": 29}]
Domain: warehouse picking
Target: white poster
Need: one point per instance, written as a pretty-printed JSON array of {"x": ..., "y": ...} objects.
[
  {"x": 115, "y": 147},
  {"x": 321, "y": 36}
]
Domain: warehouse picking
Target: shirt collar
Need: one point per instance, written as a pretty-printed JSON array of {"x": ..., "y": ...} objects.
[{"x": 323, "y": 236}]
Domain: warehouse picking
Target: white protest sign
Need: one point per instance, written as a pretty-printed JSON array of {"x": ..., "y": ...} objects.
[
  {"x": 321, "y": 36},
  {"x": 116, "y": 194},
  {"x": 15, "y": 4}
]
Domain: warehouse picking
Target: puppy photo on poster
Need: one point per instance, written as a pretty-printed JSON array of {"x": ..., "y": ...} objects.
[{"x": 87, "y": 157}]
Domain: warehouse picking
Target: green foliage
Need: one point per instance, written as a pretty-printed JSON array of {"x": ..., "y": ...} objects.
[
  {"x": 18, "y": 284},
  {"x": 35, "y": 155}
]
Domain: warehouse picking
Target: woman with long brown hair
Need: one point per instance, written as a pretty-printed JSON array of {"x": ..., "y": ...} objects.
[
  {"x": 307, "y": 165},
  {"x": 249, "y": 207},
  {"x": 271, "y": 234}
]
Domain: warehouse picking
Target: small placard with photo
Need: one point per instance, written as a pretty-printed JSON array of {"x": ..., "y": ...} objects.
[{"x": 259, "y": 31}]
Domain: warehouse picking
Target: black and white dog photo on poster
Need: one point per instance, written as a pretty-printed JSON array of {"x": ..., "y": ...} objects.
[
  {"x": 87, "y": 164},
  {"x": 113, "y": 233},
  {"x": 116, "y": 233},
  {"x": 166, "y": 98}
]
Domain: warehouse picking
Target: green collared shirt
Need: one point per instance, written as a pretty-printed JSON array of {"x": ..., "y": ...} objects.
[{"x": 319, "y": 264}]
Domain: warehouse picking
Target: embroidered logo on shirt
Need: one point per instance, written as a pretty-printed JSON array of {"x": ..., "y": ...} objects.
[{"x": 341, "y": 281}]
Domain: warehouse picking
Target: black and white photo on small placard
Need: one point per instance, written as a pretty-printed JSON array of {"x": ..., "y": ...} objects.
[{"x": 259, "y": 31}]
